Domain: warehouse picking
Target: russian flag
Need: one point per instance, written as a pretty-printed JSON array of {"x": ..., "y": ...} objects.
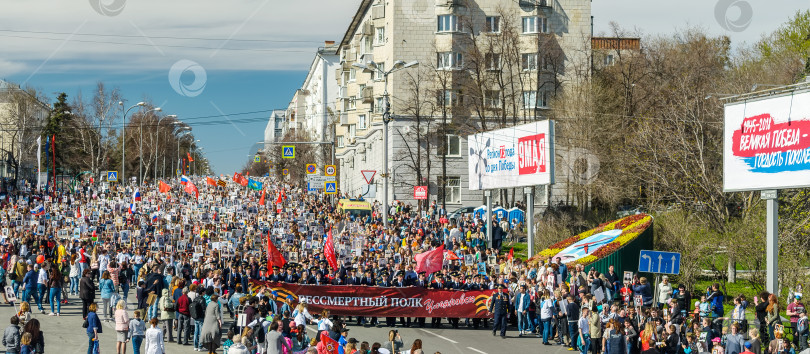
[
  {"x": 183, "y": 179},
  {"x": 39, "y": 210},
  {"x": 155, "y": 216},
  {"x": 132, "y": 208},
  {"x": 136, "y": 196}
]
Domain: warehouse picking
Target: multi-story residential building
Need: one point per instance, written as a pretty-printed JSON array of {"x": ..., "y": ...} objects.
[
  {"x": 608, "y": 50},
  {"x": 484, "y": 64},
  {"x": 275, "y": 127},
  {"x": 319, "y": 91},
  {"x": 26, "y": 115}
]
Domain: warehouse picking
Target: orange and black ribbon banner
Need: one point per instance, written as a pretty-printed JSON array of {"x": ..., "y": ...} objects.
[{"x": 353, "y": 300}]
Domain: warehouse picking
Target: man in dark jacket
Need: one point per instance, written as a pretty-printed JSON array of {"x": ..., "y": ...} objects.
[
  {"x": 30, "y": 283},
  {"x": 154, "y": 285}
]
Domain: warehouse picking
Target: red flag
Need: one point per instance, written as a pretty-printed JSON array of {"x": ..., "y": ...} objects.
[
  {"x": 78, "y": 212},
  {"x": 329, "y": 251},
  {"x": 278, "y": 201},
  {"x": 189, "y": 157},
  {"x": 210, "y": 181},
  {"x": 192, "y": 189},
  {"x": 163, "y": 187},
  {"x": 430, "y": 261},
  {"x": 238, "y": 178},
  {"x": 451, "y": 256},
  {"x": 261, "y": 201},
  {"x": 247, "y": 173},
  {"x": 274, "y": 257},
  {"x": 330, "y": 345},
  {"x": 511, "y": 253}
]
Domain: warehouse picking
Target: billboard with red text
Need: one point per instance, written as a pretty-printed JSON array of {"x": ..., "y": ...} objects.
[
  {"x": 767, "y": 143},
  {"x": 519, "y": 156}
]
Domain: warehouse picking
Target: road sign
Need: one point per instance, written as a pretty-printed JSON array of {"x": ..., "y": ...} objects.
[
  {"x": 285, "y": 172},
  {"x": 330, "y": 187},
  {"x": 659, "y": 262},
  {"x": 312, "y": 168},
  {"x": 318, "y": 181},
  {"x": 420, "y": 192},
  {"x": 112, "y": 176},
  {"x": 257, "y": 158},
  {"x": 313, "y": 189},
  {"x": 368, "y": 191},
  {"x": 288, "y": 152},
  {"x": 368, "y": 175},
  {"x": 330, "y": 170}
]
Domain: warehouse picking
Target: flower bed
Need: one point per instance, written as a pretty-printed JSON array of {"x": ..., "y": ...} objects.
[{"x": 631, "y": 227}]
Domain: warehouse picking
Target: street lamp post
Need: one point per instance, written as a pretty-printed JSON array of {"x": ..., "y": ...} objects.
[
  {"x": 373, "y": 67},
  {"x": 124, "y": 138},
  {"x": 184, "y": 129},
  {"x": 157, "y": 141},
  {"x": 140, "y": 148}
]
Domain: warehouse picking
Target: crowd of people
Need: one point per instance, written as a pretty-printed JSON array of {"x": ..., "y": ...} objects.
[{"x": 164, "y": 266}]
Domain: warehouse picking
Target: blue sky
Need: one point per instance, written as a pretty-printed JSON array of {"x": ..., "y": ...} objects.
[{"x": 254, "y": 53}]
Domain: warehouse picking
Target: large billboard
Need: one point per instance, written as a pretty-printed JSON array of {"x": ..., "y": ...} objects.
[
  {"x": 766, "y": 143},
  {"x": 519, "y": 156}
]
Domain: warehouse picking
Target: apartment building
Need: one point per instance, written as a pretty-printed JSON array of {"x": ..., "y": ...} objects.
[
  {"x": 18, "y": 147},
  {"x": 274, "y": 130},
  {"x": 483, "y": 64}
]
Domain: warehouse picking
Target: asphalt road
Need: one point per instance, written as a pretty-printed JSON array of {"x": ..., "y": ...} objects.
[{"x": 64, "y": 335}]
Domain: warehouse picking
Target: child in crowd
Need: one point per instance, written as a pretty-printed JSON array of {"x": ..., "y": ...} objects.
[
  {"x": 11, "y": 336},
  {"x": 137, "y": 331},
  {"x": 26, "y": 347}
]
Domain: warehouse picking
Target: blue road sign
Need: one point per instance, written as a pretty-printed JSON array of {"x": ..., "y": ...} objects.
[
  {"x": 112, "y": 176},
  {"x": 330, "y": 187},
  {"x": 659, "y": 262},
  {"x": 288, "y": 152}
]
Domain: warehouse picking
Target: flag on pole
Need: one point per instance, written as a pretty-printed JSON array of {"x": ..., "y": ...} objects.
[
  {"x": 261, "y": 201},
  {"x": 39, "y": 162},
  {"x": 78, "y": 212},
  {"x": 136, "y": 195},
  {"x": 254, "y": 184},
  {"x": 430, "y": 261},
  {"x": 183, "y": 179},
  {"x": 330, "y": 345},
  {"x": 274, "y": 257},
  {"x": 189, "y": 157},
  {"x": 210, "y": 181},
  {"x": 329, "y": 251},
  {"x": 192, "y": 189},
  {"x": 132, "y": 208},
  {"x": 512, "y": 253},
  {"x": 163, "y": 187},
  {"x": 39, "y": 210}
]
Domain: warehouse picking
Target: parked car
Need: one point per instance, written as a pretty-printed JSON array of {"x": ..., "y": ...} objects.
[{"x": 460, "y": 213}]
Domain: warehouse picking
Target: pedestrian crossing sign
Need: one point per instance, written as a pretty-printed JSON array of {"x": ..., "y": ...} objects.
[
  {"x": 288, "y": 152},
  {"x": 330, "y": 187},
  {"x": 112, "y": 176},
  {"x": 257, "y": 158}
]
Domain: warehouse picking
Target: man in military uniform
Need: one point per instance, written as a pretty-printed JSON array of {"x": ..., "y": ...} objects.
[
  {"x": 454, "y": 284},
  {"x": 423, "y": 284},
  {"x": 499, "y": 307},
  {"x": 436, "y": 322}
]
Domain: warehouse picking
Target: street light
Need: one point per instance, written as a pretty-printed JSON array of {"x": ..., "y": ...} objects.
[
  {"x": 124, "y": 138},
  {"x": 140, "y": 153},
  {"x": 371, "y": 67},
  {"x": 157, "y": 141},
  {"x": 183, "y": 129}
]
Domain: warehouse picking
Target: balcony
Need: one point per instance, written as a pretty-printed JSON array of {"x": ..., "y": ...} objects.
[
  {"x": 528, "y": 5},
  {"x": 344, "y": 118},
  {"x": 342, "y": 92},
  {"x": 366, "y": 58}
]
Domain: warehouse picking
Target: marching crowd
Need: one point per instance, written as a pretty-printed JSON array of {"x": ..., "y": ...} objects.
[{"x": 170, "y": 266}]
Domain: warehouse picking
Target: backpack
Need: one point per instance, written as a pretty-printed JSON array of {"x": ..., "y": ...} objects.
[{"x": 197, "y": 308}]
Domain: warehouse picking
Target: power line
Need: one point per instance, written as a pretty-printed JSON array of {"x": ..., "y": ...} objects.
[
  {"x": 162, "y": 45},
  {"x": 162, "y": 37}
]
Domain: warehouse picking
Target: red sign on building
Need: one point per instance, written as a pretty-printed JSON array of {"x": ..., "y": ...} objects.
[{"x": 420, "y": 192}]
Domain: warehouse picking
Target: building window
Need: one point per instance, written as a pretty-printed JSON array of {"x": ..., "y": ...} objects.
[
  {"x": 448, "y": 98},
  {"x": 352, "y": 103},
  {"x": 352, "y": 74},
  {"x": 452, "y": 189},
  {"x": 535, "y": 24},
  {"x": 493, "y": 61},
  {"x": 361, "y": 122},
  {"x": 449, "y": 60},
  {"x": 529, "y": 99},
  {"x": 542, "y": 99},
  {"x": 493, "y": 24},
  {"x": 453, "y": 145},
  {"x": 492, "y": 99},
  {"x": 448, "y": 23},
  {"x": 340, "y": 141},
  {"x": 352, "y": 131},
  {"x": 379, "y": 36},
  {"x": 378, "y": 74},
  {"x": 609, "y": 60},
  {"x": 379, "y": 105},
  {"x": 528, "y": 61}
]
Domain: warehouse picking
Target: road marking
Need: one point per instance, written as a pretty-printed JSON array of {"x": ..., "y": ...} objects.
[
  {"x": 442, "y": 337},
  {"x": 476, "y": 350},
  {"x": 310, "y": 328}
]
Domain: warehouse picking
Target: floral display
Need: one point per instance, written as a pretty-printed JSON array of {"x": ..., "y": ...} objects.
[{"x": 631, "y": 227}]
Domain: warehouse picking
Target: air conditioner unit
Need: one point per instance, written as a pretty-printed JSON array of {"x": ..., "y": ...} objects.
[
  {"x": 352, "y": 141},
  {"x": 368, "y": 94}
]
